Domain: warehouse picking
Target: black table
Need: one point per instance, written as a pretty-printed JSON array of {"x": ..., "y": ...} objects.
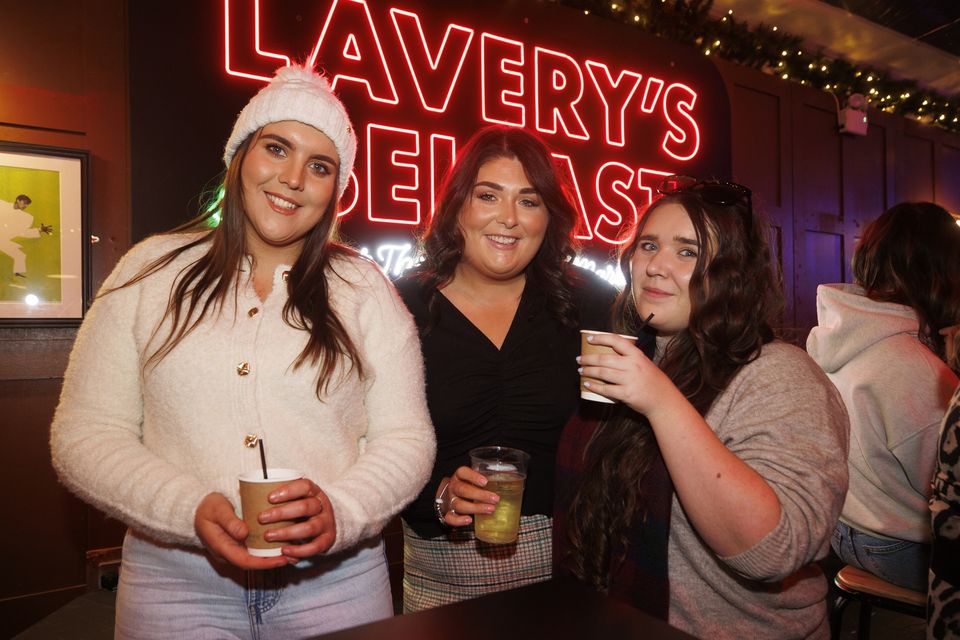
[{"x": 559, "y": 609}]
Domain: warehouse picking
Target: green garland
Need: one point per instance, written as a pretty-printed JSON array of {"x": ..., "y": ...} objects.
[{"x": 775, "y": 52}]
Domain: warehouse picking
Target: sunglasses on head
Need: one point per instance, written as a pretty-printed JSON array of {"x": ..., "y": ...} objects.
[
  {"x": 717, "y": 192},
  {"x": 713, "y": 191}
]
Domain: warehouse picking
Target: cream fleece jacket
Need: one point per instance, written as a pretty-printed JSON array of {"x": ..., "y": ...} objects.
[
  {"x": 896, "y": 391},
  {"x": 146, "y": 444}
]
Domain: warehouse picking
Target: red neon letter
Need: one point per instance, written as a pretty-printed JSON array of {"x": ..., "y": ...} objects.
[
  {"x": 385, "y": 146},
  {"x": 683, "y": 142},
  {"x": 647, "y": 182},
  {"x": 351, "y": 193},
  {"x": 651, "y": 93},
  {"x": 495, "y": 105},
  {"x": 584, "y": 230},
  {"x": 558, "y": 88},
  {"x": 433, "y": 76},
  {"x": 353, "y": 50},
  {"x": 236, "y": 39},
  {"x": 613, "y": 179},
  {"x": 443, "y": 150},
  {"x": 620, "y": 93}
]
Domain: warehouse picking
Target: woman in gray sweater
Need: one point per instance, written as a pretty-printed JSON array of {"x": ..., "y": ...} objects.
[{"x": 719, "y": 475}]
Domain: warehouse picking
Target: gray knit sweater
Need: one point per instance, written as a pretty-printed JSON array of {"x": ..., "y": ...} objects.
[{"x": 782, "y": 416}]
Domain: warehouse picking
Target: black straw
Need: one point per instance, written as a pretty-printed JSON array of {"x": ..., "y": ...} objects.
[
  {"x": 263, "y": 458},
  {"x": 645, "y": 322}
]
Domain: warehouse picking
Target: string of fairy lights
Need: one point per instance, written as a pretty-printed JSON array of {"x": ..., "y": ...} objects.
[{"x": 773, "y": 51}]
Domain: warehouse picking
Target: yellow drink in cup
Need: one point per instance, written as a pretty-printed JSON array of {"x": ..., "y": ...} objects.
[
  {"x": 506, "y": 470},
  {"x": 503, "y": 524}
]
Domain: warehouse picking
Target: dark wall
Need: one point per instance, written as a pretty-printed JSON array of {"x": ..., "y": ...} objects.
[
  {"x": 182, "y": 107},
  {"x": 62, "y": 84},
  {"x": 819, "y": 187}
]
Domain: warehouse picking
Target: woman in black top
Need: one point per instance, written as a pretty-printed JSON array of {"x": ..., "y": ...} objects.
[{"x": 499, "y": 307}]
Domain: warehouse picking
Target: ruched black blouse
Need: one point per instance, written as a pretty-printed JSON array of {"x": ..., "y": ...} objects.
[{"x": 520, "y": 395}]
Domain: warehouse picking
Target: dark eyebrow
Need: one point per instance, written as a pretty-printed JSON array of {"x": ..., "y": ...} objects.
[
  {"x": 290, "y": 145},
  {"x": 680, "y": 239},
  {"x": 499, "y": 187}
]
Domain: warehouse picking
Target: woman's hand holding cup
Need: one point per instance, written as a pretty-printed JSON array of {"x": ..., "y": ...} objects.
[
  {"x": 625, "y": 375},
  {"x": 314, "y": 529},
  {"x": 466, "y": 497},
  {"x": 303, "y": 519},
  {"x": 224, "y": 535}
]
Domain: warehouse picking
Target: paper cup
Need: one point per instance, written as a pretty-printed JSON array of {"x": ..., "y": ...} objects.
[
  {"x": 253, "y": 500},
  {"x": 589, "y": 348}
]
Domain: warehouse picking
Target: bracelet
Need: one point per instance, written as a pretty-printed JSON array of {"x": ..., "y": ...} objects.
[{"x": 438, "y": 503}]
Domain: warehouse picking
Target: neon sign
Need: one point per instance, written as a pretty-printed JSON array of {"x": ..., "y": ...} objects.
[
  {"x": 419, "y": 77},
  {"x": 397, "y": 257}
]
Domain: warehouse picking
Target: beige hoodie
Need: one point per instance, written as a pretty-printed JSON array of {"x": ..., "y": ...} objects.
[{"x": 896, "y": 391}]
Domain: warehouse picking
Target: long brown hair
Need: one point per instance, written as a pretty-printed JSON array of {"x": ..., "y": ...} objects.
[
  {"x": 202, "y": 288},
  {"x": 734, "y": 297},
  {"x": 910, "y": 255},
  {"x": 550, "y": 270}
]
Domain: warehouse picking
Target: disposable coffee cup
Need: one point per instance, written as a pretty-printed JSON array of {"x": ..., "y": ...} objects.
[
  {"x": 506, "y": 471},
  {"x": 590, "y": 348},
  {"x": 254, "y": 490}
]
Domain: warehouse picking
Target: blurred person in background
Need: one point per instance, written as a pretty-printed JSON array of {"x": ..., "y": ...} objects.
[{"x": 882, "y": 341}]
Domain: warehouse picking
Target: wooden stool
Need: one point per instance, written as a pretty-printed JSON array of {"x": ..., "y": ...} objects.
[{"x": 870, "y": 591}]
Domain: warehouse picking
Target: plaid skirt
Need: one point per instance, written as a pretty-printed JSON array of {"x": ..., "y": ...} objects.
[{"x": 457, "y": 566}]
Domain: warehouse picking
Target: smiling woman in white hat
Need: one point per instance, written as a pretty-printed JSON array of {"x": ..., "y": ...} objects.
[{"x": 265, "y": 326}]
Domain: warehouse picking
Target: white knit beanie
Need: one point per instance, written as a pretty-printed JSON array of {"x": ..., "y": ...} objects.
[{"x": 297, "y": 93}]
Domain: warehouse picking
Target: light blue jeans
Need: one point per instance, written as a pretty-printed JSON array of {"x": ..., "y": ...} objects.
[
  {"x": 901, "y": 562},
  {"x": 176, "y": 592}
]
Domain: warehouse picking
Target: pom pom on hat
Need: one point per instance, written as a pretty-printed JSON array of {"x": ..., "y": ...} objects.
[{"x": 297, "y": 93}]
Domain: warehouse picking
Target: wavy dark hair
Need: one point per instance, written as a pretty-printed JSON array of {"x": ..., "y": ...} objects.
[
  {"x": 910, "y": 255},
  {"x": 203, "y": 287},
  {"x": 734, "y": 299},
  {"x": 550, "y": 270}
]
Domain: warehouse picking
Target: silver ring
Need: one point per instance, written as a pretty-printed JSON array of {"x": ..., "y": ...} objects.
[{"x": 453, "y": 510}]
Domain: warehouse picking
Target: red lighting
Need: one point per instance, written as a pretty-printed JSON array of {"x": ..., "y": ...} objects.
[
  {"x": 502, "y": 80},
  {"x": 386, "y": 146},
  {"x": 443, "y": 69},
  {"x": 622, "y": 93},
  {"x": 616, "y": 128},
  {"x": 681, "y": 143},
  {"x": 558, "y": 89},
  {"x": 359, "y": 56}
]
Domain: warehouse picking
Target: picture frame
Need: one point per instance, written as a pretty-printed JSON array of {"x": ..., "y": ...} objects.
[{"x": 44, "y": 272}]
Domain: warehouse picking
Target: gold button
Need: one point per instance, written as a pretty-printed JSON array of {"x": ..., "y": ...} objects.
[
  {"x": 254, "y": 311},
  {"x": 243, "y": 368},
  {"x": 285, "y": 275}
]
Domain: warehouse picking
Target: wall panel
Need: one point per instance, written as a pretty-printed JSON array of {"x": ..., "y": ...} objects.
[
  {"x": 823, "y": 259},
  {"x": 948, "y": 176},
  {"x": 915, "y": 168},
  {"x": 760, "y": 130},
  {"x": 63, "y": 83},
  {"x": 817, "y": 204},
  {"x": 864, "y": 185}
]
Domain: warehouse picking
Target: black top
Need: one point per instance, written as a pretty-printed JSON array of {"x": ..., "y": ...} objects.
[{"x": 518, "y": 396}]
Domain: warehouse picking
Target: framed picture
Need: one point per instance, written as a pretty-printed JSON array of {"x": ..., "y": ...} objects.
[{"x": 43, "y": 228}]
